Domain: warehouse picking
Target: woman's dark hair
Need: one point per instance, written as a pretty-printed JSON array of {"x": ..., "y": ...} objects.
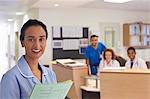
[
  {"x": 131, "y": 48},
  {"x": 112, "y": 52},
  {"x": 29, "y": 23}
]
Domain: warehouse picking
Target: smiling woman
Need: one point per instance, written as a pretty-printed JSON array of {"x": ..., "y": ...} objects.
[{"x": 28, "y": 71}]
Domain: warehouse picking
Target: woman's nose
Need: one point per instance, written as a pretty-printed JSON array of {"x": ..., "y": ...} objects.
[{"x": 36, "y": 43}]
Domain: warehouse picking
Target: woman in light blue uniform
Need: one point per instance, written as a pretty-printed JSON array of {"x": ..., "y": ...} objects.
[{"x": 19, "y": 81}]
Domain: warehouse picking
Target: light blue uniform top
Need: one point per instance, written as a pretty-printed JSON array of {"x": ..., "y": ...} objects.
[
  {"x": 18, "y": 82},
  {"x": 94, "y": 56}
]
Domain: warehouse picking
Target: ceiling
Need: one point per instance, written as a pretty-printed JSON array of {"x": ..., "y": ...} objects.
[{"x": 8, "y": 8}]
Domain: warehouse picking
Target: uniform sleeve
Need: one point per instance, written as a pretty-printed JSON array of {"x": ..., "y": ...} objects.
[
  {"x": 86, "y": 55},
  {"x": 104, "y": 47},
  {"x": 9, "y": 88},
  {"x": 52, "y": 76}
]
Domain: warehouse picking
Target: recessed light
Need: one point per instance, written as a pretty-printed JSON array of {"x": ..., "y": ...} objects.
[
  {"x": 56, "y": 5},
  {"x": 10, "y": 20},
  {"x": 19, "y": 13},
  {"x": 117, "y": 1}
]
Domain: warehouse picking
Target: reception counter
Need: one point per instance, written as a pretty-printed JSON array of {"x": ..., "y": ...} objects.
[
  {"x": 75, "y": 74},
  {"x": 125, "y": 84}
]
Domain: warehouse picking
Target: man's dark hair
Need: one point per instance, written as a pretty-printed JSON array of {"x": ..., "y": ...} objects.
[
  {"x": 29, "y": 23},
  {"x": 93, "y": 36},
  {"x": 131, "y": 48}
]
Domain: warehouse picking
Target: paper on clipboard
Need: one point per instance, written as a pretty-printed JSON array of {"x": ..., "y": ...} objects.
[
  {"x": 51, "y": 91},
  {"x": 70, "y": 63}
]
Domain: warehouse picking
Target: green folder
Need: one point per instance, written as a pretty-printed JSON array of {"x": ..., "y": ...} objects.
[{"x": 51, "y": 91}]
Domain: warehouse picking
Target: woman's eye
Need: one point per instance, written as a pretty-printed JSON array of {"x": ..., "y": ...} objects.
[
  {"x": 31, "y": 40},
  {"x": 42, "y": 39}
]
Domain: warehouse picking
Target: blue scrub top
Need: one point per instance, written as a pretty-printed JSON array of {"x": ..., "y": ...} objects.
[
  {"x": 18, "y": 82},
  {"x": 94, "y": 56}
]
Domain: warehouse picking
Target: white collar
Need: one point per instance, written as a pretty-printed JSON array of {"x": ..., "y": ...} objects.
[{"x": 25, "y": 70}]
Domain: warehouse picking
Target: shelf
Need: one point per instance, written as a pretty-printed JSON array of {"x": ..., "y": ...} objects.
[
  {"x": 135, "y": 35},
  {"x": 142, "y": 47},
  {"x": 139, "y": 41},
  {"x": 145, "y": 35}
]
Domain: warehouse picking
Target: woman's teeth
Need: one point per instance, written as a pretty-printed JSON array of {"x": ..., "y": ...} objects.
[{"x": 36, "y": 51}]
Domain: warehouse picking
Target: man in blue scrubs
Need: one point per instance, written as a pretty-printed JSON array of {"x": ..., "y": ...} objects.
[{"x": 93, "y": 54}]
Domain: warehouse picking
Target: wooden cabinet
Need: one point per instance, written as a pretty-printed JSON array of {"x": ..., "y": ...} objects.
[
  {"x": 127, "y": 84},
  {"x": 76, "y": 74},
  {"x": 136, "y": 35}
]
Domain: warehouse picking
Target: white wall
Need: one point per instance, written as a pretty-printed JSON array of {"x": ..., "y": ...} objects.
[
  {"x": 18, "y": 24},
  {"x": 30, "y": 14},
  {"x": 87, "y": 17},
  {"x": 149, "y": 16},
  {"x": 11, "y": 46},
  {"x": 145, "y": 53},
  {"x": 33, "y": 13},
  {"x": 4, "y": 65}
]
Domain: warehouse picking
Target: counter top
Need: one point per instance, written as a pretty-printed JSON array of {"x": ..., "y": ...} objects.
[{"x": 131, "y": 71}]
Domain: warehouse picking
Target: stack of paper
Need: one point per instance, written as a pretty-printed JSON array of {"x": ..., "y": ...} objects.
[
  {"x": 51, "y": 91},
  {"x": 92, "y": 81},
  {"x": 76, "y": 64},
  {"x": 69, "y": 62}
]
